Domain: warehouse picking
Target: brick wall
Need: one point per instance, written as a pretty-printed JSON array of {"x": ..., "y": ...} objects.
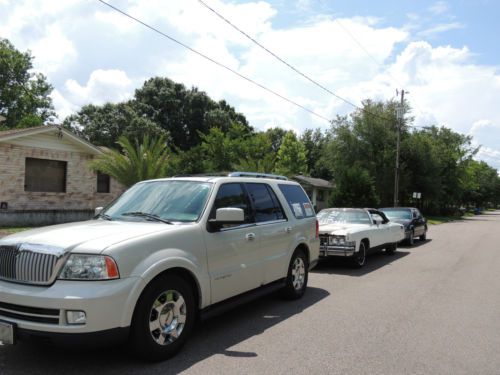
[{"x": 81, "y": 182}]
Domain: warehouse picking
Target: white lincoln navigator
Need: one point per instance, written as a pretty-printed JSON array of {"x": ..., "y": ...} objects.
[{"x": 165, "y": 253}]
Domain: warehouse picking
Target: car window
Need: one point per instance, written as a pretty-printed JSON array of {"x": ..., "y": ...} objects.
[
  {"x": 266, "y": 208},
  {"x": 297, "y": 200},
  {"x": 343, "y": 217},
  {"x": 376, "y": 217},
  {"x": 232, "y": 195}
]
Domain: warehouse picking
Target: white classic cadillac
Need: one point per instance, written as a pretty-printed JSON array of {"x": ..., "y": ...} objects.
[{"x": 356, "y": 232}]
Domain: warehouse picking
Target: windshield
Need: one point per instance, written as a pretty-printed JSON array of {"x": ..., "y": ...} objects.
[
  {"x": 181, "y": 201},
  {"x": 398, "y": 214},
  {"x": 343, "y": 217}
]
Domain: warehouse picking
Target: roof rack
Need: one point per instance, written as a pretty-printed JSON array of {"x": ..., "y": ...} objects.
[{"x": 257, "y": 175}]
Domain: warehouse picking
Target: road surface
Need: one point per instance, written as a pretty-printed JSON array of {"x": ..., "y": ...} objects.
[{"x": 430, "y": 309}]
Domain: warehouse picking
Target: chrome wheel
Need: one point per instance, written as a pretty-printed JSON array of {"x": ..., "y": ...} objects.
[
  {"x": 298, "y": 273},
  {"x": 361, "y": 255},
  {"x": 167, "y": 317}
]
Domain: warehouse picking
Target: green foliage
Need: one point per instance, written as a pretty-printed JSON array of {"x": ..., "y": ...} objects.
[
  {"x": 291, "y": 158},
  {"x": 184, "y": 114},
  {"x": 104, "y": 125},
  {"x": 135, "y": 162},
  {"x": 354, "y": 188},
  {"x": 24, "y": 95}
]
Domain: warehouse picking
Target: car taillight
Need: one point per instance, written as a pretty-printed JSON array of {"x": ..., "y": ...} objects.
[{"x": 317, "y": 228}]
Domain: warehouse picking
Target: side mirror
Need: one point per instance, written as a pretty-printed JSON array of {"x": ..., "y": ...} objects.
[
  {"x": 98, "y": 210},
  {"x": 227, "y": 215},
  {"x": 378, "y": 221}
]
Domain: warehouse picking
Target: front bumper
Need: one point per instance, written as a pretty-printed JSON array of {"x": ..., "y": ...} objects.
[
  {"x": 108, "y": 305},
  {"x": 337, "y": 251}
]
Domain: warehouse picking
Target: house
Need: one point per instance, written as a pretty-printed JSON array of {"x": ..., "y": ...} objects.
[
  {"x": 45, "y": 178},
  {"x": 317, "y": 189}
]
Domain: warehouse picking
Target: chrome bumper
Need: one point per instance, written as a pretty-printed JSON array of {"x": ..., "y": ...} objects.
[{"x": 337, "y": 251}]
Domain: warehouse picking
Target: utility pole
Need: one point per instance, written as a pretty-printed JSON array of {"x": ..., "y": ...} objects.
[{"x": 400, "y": 112}]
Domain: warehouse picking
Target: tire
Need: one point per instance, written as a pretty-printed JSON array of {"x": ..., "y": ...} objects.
[
  {"x": 358, "y": 260},
  {"x": 298, "y": 274},
  {"x": 156, "y": 335},
  {"x": 423, "y": 237},
  {"x": 411, "y": 240},
  {"x": 391, "y": 249}
]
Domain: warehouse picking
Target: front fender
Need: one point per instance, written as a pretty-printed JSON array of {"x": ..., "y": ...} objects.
[{"x": 158, "y": 263}]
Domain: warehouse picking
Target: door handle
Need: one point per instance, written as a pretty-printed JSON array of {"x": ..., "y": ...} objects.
[
  {"x": 288, "y": 229},
  {"x": 250, "y": 236}
]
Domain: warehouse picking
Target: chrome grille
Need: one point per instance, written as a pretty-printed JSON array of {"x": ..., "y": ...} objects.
[{"x": 26, "y": 266}]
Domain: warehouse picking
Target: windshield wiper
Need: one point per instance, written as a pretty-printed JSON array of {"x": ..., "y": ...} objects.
[
  {"x": 147, "y": 215},
  {"x": 105, "y": 216}
]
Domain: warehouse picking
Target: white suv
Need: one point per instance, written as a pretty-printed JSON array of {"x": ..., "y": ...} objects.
[{"x": 166, "y": 252}]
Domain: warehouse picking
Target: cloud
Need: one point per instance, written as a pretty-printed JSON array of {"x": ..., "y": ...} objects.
[
  {"x": 439, "y": 29},
  {"x": 438, "y": 8},
  {"x": 94, "y": 55},
  {"x": 103, "y": 86}
]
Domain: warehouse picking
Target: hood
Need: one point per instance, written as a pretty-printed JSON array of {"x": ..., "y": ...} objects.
[
  {"x": 405, "y": 222},
  {"x": 86, "y": 236},
  {"x": 341, "y": 229}
]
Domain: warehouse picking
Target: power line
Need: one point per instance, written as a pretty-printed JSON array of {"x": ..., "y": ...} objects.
[
  {"x": 276, "y": 56},
  {"x": 360, "y": 45},
  {"x": 288, "y": 64},
  {"x": 212, "y": 60}
]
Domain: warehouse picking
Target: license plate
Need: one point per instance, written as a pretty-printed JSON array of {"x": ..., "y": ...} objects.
[{"x": 6, "y": 333}]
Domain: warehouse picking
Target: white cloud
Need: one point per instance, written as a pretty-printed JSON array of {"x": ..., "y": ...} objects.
[
  {"x": 440, "y": 28},
  {"x": 53, "y": 51},
  {"x": 94, "y": 55},
  {"x": 438, "y": 8},
  {"x": 102, "y": 86}
]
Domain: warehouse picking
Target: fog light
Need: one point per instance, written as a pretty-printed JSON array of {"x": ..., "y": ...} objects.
[{"x": 76, "y": 317}]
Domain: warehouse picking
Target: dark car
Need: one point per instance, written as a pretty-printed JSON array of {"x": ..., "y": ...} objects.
[{"x": 415, "y": 224}]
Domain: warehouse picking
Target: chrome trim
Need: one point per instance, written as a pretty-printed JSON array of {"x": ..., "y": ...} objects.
[
  {"x": 344, "y": 251},
  {"x": 31, "y": 264}
]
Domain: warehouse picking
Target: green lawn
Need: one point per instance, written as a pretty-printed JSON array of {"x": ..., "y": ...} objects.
[
  {"x": 4, "y": 231},
  {"x": 434, "y": 220}
]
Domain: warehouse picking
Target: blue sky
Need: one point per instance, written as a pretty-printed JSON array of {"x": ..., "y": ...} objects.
[{"x": 445, "y": 53}]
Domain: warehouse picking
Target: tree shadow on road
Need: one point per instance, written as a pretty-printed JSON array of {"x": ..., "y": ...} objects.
[
  {"x": 216, "y": 336},
  {"x": 341, "y": 266}
]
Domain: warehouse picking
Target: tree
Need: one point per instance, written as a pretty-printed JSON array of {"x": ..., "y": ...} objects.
[
  {"x": 24, "y": 95},
  {"x": 104, "y": 125},
  {"x": 314, "y": 142},
  {"x": 184, "y": 114},
  {"x": 291, "y": 158},
  {"x": 354, "y": 187},
  {"x": 135, "y": 162}
]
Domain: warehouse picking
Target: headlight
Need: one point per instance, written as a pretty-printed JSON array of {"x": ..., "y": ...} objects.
[
  {"x": 89, "y": 267},
  {"x": 340, "y": 241}
]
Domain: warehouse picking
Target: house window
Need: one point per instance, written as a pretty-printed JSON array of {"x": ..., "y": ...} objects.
[
  {"x": 103, "y": 183},
  {"x": 42, "y": 175}
]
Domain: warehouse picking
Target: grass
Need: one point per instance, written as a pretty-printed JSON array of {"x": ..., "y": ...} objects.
[
  {"x": 4, "y": 231},
  {"x": 434, "y": 220}
]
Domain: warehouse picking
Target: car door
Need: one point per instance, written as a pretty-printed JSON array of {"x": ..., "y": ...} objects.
[
  {"x": 233, "y": 252},
  {"x": 276, "y": 232},
  {"x": 379, "y": 232},
  {"x": 419, "y": 223}
]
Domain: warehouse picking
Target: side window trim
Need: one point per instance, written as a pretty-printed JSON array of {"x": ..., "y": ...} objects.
[
  {"x": 249, "y": 203},
  {"x": 274, "y": 199},
  {"x": 277, "y": 203}
]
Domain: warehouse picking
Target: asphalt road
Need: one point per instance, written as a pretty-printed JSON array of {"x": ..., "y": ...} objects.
[{"x": 430, "y": 309}]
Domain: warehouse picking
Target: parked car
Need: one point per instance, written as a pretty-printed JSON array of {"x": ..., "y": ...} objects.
[
  {"x": 356, "y": 232},
  {"x": 415, "y": 224},
  {"x": 166, "y": 252}
]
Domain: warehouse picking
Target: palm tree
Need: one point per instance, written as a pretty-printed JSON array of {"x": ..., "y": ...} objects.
[{"x": 144, "y": 161}]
